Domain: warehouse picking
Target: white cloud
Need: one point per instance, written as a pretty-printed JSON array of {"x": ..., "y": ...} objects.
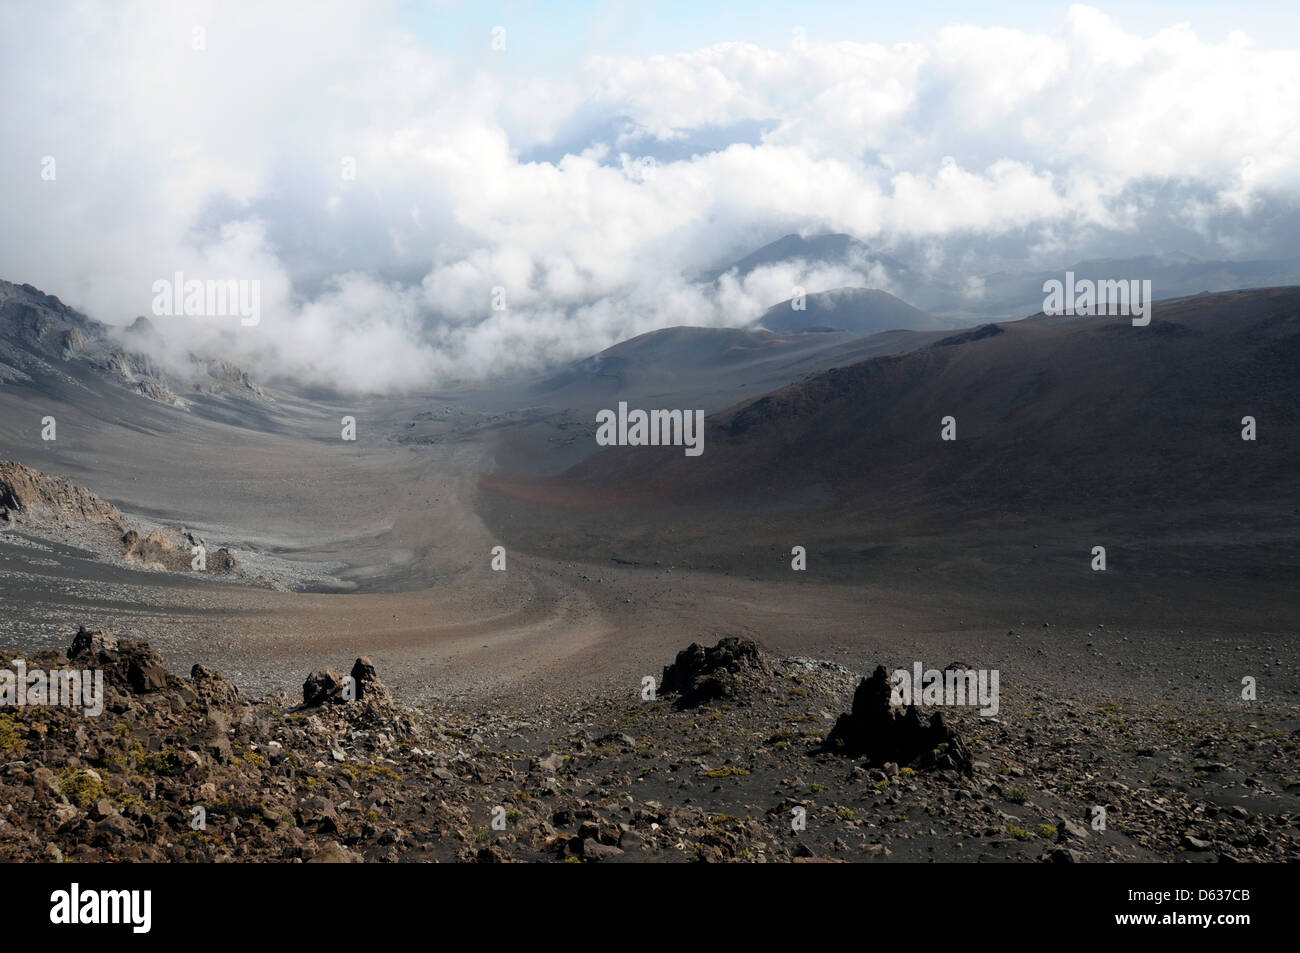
[{"x": 226, "y": 162}]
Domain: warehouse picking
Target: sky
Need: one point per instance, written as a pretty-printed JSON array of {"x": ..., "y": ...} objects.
[
  {"x": 553, "y": 35},
  {"x": 428, "y": 192}
]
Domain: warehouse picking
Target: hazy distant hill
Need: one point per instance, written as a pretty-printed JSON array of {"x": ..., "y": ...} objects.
[
  {"x": 858, "y": 311},
  {"x": 1090, "y": 413},
  {"x": 1010, "y": 292},
  {"x": 819, "y": 249},
  {"x": 710, "y": 368}
]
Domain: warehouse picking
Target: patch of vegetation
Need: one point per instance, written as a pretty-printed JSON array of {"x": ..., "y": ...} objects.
[
  {"x": 726, "y": 771},
  {"x": 10, "y": 734},
  {"x": 1017, "y": 795},
  {"x": 127, "y": 798},
  {"x": 368, "y": 772},
  {"x": 81, "y": 786},
  {"x": 235, "y": 807},
  {"x": 1019, "y": 833},
  {"x": 199, "y": 839},
  {"x": 165, "y": 763}
]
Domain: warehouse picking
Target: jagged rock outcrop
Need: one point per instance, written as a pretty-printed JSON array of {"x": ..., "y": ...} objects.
[
  {"x": 52, "y": 504},
  {"x": 727, "y": 670},
  {"x": 884, "y": 732},
  {"x": 222, "y": 377},
  {"x": 323, "y": 687},
  {"x": 34, "y": 495},
  {"x": 212, "y": 687},
  {"x": 327, "y": 686},
  {"x": 127, "y": 665},
  {"x": 369, "y": 687},
  {"x": 172, "y": 550}
]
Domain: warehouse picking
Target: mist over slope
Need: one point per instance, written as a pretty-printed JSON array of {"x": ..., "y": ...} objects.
[
  {"x": 971, "y": 287},
  {"x": 44, "y": 340}
]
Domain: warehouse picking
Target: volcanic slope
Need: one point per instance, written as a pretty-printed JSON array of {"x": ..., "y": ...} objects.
[{"x": 1069, "y": 436}]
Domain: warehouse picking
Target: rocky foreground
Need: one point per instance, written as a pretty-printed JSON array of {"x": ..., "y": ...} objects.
[{"x": 736, "y": 749}]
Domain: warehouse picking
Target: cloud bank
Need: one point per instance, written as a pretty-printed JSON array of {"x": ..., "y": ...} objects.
[{"x": 386, "y": 196}]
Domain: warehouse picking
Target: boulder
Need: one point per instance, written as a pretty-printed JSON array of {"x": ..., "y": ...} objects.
[
  {"x": 212, "y": 687},
  {"x": 727, "y": 670},
  {"x": 92, "y": 646},
  {"x": 322, "y": 686},
  {"x": 883, "y": 733},
  {"x": 127, "y": 665},
  {"x": 144, "y": 669},
  {"x": 367, "y": 681}
]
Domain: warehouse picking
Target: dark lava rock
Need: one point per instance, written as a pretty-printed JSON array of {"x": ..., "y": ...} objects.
[
  {"x": 322, "y": 686},
  {"x": 128, "y": 665},
  {"x": 213, "y": 687},
  {"x": 724, "y": 671},
  {"x": 881, "y": 732},
  {"x": 327, "y": 686},
  {"x": 367, "y": 681},
  {"x": 144, "y": 669},
  {"x": 92, "y": 646},
  {"x": 319, "y": 814}
]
